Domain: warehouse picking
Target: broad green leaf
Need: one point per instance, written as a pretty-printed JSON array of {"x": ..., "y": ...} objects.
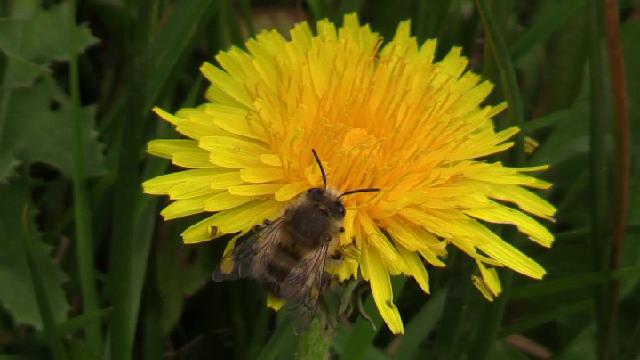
[
  {"x": 7, "y": 163},
  {"x": 37, "y": 129},
  {"x": 43, "y": 37},
  {"x": 23, "y": 8},
  {"x": 17, "y": 294},
  {"x": 21, "y": 72}
]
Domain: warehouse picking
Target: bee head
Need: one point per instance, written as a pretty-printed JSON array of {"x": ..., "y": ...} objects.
[{"x": 328, "y": 203}]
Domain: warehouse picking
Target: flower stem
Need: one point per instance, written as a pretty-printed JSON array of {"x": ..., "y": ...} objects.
[
  {"x": 315, "y": 342},
  {"x": 622, "y": 160}
]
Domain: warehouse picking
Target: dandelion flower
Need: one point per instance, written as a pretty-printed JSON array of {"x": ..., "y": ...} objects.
[{"x": 380, "y": 116}]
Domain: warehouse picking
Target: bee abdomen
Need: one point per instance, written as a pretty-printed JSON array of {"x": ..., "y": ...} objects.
[{"x": 277, "y": 270}]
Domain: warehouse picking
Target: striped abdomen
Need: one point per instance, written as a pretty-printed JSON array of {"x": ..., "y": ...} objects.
[{"x": 285, "y": 257}]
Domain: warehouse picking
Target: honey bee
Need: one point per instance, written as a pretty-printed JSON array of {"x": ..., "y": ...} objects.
[{"x": 287, "y": 256}]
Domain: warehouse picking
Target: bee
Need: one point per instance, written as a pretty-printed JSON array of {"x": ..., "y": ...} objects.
[{"x": 287, "y": 256}]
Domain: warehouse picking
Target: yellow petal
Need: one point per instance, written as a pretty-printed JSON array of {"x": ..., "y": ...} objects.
[
  {"x": 261, "y": 175},
  {"x": 224, "y": 180},
  {"x": 503, "y": 215},
  {"x": 291, "y": 190},
  {"x": 165, "y": 148},
  {"x": 161, "y": 185},
  {"x": 490, "y": 278},
  {"x": 381, "y": 289},
  {"x": 227, "y": 84},
  {"x": 271, "y": 160},
  {"x": 479, "y": 283},
  {"x": 226, "y": 263},
  {"x": 203, "y": 230},
  {"x": 243, "y": 217},
  {"x": 415, "y": 268},
  {"x": 181, "y": 208},
  {"x": 191, "y": 188},
  {"x": 410, "y": 240},
  {"x": 234, "y": 120},
  {"x": 254, "y": 189},
  {"x": 232, "y": 152},
  {"x": 224, "y": 201},
  {"x": 166, "y": 116},
  {"x": 274, "y": 302},
  {"x": 525, "y": 199},
  {"x": 508, "y": 255},
  {"x": 192, "y": 159},
  {"x": 376, "y": 238},
  {"x": 344, "y": 269}
]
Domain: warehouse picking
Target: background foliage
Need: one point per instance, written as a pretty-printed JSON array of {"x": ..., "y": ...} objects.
[{"x": 89, "y": 271}]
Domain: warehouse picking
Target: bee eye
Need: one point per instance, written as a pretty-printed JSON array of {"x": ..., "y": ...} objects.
[{"x": 340, "y": 209}]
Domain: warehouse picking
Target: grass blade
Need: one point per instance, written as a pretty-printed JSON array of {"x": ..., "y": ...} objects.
[
  {"x": 572, "y": 282},
  {"x": 422, "y": 324},
  {"x": 547, "y": 316},
  {"x": 598, "y": 170},
  {"x": 127, "y": 187},
  {"x": 82, "y": 211},
  {"x": 174, "y": 41},
  {"x": 58, "y": 351},
  {"x": 546, "y": 24}
]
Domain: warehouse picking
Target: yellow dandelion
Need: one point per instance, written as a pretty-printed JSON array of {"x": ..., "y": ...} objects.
[{"x": 380, "y": 116}]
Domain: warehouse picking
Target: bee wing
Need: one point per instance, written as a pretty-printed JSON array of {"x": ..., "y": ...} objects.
[
  {"x": 245, "y": 250},
  {"x": 305, "y": 280}
]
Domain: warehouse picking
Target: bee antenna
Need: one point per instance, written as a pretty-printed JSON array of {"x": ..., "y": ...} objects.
[
  {"x": 324, "y": 176},
  {"x": 358, "y": 191}
]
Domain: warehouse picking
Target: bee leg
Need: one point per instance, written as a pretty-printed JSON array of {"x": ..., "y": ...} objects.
[{"x": 266, "y": 222}]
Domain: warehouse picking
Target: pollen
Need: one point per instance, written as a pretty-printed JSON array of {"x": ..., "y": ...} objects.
[{"x": 381, "y": 115}]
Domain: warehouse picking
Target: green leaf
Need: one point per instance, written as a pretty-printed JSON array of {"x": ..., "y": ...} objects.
[
  {"x": 79, "y": 322},
  {"x": 548, "y": 315},
  {"x": 180, "y": 271},
  {"x": 547, "y": 22},
  {"x": 21, "y": 72},
  {"x": 17, "y": 294},
  {"x": 571, "y": 282},
  {"x": 420, "y": 326},
  {"x": 37, "y": 128},
  {"x": 43, "y": 37},
  {"x": 582, "y": 346},
  {"x": 568, "y": 139},
  {"x": 358, "y": 339}
]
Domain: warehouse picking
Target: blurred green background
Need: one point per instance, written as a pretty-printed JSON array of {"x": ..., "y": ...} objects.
[{"x": 88, "y": 270}]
